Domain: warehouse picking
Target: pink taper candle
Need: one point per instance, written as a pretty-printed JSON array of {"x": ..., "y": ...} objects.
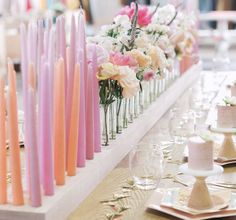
[
  {"x": 83, "y": 62},
  {"x": 45, "y": 134},
  {"x": 24, "y": 73},
  {"x": 63, "y": 48},
  {"x": 39, "y": 45},
  {"x": 89, "y": 115},
  {"x": 81, "y": 160},
  {"x": 32, "y": 76},
  {"x": 70, "y": 81},
  {"x": 74, "y": 126},
  {"x": 35, "y": 192},
  {"x": 96, "y": 109},
  {"x": 3, "y": 151},
  {"x": 17, "y": 191},
  {"x": 59, "y": 132},
  {"x": 58, "y": 36}
]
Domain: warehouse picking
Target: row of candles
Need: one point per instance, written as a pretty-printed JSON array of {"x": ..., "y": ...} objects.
[{"x": 61, "y": 110}]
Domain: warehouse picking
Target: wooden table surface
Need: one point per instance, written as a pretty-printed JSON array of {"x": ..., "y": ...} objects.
[{"x": 93, "y": 209}]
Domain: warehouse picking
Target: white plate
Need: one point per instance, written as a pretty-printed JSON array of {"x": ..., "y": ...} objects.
[
  {"x": 155, "y": 204},
  {"x": 204, "y": 173},
  {"x": 178, "y": 199}
]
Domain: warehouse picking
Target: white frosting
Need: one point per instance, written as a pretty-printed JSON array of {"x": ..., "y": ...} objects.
[{"x": 200, "y": 154}]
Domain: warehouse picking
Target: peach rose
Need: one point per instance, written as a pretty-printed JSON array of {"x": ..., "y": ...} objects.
[
  {"x": 107, "y": 71},
  {"x": 142, "y": 59},
  {"x": 128, "y": 81},
  {"x": 158, "y": 58}
]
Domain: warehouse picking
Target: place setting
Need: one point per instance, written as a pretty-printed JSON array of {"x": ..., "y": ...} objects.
[{"x": 199, "y": 199}]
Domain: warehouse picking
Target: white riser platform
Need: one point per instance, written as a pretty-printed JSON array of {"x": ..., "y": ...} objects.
[{"x": 77, "y": 188}]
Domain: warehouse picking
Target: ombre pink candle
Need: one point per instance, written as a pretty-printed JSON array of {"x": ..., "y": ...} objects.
[
  {"x": 45, "y": 133},
  {"x": 81, "y": 54},
  {"x": 90, "y": 115},
  {"x": 34, "y": 179},
  {"x": 70, "y": 80},
  {"x": 96, "y": 108}
]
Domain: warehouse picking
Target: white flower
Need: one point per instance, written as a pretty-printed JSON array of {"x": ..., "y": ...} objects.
[
  {"x": 164, "y": 14},
  {"x": 124, "y": 39},
  {"x": 206, "y": 135},
  {"x": 230, "y": 100},
  {"x": 123, "y": 21},
  {"x": 163, "y": 29},
  {"x": 163, "y": 42},
  {"x": 142, "y": 41},
  {"x": 106, "y": 42},
  {"x": 185, "y": 22}
]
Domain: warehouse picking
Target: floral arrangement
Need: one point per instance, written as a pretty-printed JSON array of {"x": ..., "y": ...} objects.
[{"x": 141, "y": 44}]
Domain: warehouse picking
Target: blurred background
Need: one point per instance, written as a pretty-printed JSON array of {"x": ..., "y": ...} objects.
[{"x": 217, "y": 22}]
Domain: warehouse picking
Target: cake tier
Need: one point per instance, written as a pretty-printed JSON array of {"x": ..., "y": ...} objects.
[{"x": 200, "y": 154}]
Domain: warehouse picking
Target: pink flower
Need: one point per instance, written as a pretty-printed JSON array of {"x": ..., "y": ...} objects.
[
  {"x": 144, "y": 17},
  {"x": 148, "y": 75},
  {"x": 127, "y": 10},
  {"x": 119, "y": 59}
]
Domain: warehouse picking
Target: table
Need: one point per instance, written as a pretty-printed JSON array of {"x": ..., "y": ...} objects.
[{"x": 92, "y": 209}]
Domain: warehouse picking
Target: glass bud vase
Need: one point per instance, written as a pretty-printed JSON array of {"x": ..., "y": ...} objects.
[
  {"x": 112, "y": 121},
  {"x": 141, "y": 102},
  {"x": 125, "y": 114},
  {"x": 131, "y": 109},
  {"x": 136, "y": 106},
  {"x": 105, "y": 124},
  {"x": 119, "y": 110}
]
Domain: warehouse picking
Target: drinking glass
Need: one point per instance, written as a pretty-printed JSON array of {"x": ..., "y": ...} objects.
[
  {"x": 146, "y": 166},
  {"x": 176, "y": 130}
]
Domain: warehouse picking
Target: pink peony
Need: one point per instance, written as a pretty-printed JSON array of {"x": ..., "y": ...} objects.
[
  {"x": 144, "y": 17},
  {"x": 119, "y": 59},
  {"x": 148, "y": 75}
]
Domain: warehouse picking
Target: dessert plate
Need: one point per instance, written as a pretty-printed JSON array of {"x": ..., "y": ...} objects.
[
  {"x": 178, "y": 199},
  {"x": 159, "y": 195}
]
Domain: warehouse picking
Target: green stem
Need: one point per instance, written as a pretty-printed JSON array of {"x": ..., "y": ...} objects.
[
  {"x": 105, "y": 108},
  {"x": 117, "y": 115}
]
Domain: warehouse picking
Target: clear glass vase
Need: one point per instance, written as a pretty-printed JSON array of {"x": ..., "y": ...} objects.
[
  {"x": 131, "y": 109},
  {"x": 112, "y": 121},
  {"x": 119, "y": 110},
  {"x": 105, "y": 124},
  {"x": 146, "y": 92},
  {"x": 136, "y": 106},
  {"x": 125, "y": 113},
  {"x": 176, "y": 69},
  {"x": 141, "y": 101}
]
